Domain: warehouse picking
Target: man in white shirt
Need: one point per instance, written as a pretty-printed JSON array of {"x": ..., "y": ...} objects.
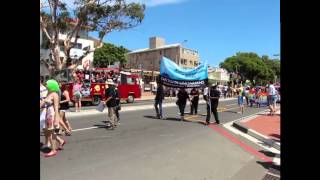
[{"x": 272, "y": 96}]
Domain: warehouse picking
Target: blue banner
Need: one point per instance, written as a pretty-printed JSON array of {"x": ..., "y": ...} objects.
[{"x": 175, "y": 76}]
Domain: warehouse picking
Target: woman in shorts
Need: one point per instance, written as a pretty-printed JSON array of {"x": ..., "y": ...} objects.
[{"x": 64, "y": 105}]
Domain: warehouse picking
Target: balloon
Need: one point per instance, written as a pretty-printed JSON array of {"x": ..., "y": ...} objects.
[{"x": 52, "y": 85}]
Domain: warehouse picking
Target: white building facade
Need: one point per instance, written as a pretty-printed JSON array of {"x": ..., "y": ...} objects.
[
  {"x": 76, "y": 52},
  {"x": 218, "y": 75}
]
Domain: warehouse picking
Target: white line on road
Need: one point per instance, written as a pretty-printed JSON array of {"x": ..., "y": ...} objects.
[
  {"x": 231, "y": 104},
  {"x": 82, "y": 129}
]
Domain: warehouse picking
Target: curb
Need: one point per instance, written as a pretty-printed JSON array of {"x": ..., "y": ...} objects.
[{"x": 255, "y": 134}]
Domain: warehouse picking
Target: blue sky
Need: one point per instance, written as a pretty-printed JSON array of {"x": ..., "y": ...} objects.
[{"x": 217, "y": 29}]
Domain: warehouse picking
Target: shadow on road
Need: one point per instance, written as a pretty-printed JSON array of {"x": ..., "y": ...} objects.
[
  {"x": 235, "y": 112},
  {"x": 268, "y": 153},
  {"x": 271, "y": 167},
  {"x": 266, "y": 165},
  {"x": 168, "y": 118}
]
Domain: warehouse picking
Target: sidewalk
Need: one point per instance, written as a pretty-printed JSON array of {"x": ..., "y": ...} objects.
[
  {"x": 263, "y": 127},
  {"x": 146, "y": 96}
]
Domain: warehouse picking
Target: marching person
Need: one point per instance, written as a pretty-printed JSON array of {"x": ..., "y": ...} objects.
[
  {"x": 272, "y": 97},
  {"x": 118, "y": 105},
  {"x": 213, "y": 96},
  {"x": 225, "y": 88},
  {"x": 43, "y": 111},
  {"x": 111, "y": 102},
  {"x": 240, "y": 93},
  {"x": 182, "y": 101},
  {"x": 246, "y": 94},
  {"x": 194, "y": 101},
  {"x": 51, "y": 103},
  {"x": 64, "y": 105},
  {"x": 158, "y": 99}
]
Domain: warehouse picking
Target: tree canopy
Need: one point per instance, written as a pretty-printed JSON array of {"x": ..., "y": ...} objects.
[
  {"x": 108, "y": 54},
  {"x": 102, "y": 16},
  {"x": 252, "y": 67}
]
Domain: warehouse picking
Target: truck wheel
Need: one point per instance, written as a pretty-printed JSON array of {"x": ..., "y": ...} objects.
[
  {"x": 96, "y": 100},
  {"x": 130, "y": 99}
]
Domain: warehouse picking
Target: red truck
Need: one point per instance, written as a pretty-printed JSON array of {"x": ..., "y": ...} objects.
[{"x": 94, "y": 92}]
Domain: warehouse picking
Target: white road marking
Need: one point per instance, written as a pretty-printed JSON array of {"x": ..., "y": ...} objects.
[
  {"x": 82, "y": 129},
  {"x": 231, "y": 104}
]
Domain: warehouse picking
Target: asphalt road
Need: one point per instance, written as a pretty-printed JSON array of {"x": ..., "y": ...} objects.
[
  {"x": 143, "y": 147},
  {"x": 125, "y": 104}
]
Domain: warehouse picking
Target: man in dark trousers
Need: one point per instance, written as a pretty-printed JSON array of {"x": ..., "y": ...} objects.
[
  {"x": 158, "y": 100},
  {"x": 194, "y": 101},
  {"x": 213, "y": 98}
]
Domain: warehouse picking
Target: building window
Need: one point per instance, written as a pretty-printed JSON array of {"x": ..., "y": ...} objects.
[
  {"x": 160, "y": 52},
  {"x": 182, "y": 61},
  {"x": 191, "y": 63}
]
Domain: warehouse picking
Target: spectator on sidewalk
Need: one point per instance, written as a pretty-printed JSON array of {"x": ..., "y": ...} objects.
[
  {"x": 272, "y": 97},
  {"x": 194, "y": 101},
  {"x": 182, "y": 101},
  {"x": 77, "y": 95},
  {"x": 158, "y": 100},
  {"x": 213, "y": 96},
  {"x": 111, "y": 102}
]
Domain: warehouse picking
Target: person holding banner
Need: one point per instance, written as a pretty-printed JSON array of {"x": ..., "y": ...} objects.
[
  {"x": 194, "y": 101},
  {"x": 212, "y": 95},
  {"x": 182, "y": 101},
  {"x": 158, "y": 99}
]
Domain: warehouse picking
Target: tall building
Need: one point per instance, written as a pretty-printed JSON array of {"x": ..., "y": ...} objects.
[{"x": 149, "y": 58}]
